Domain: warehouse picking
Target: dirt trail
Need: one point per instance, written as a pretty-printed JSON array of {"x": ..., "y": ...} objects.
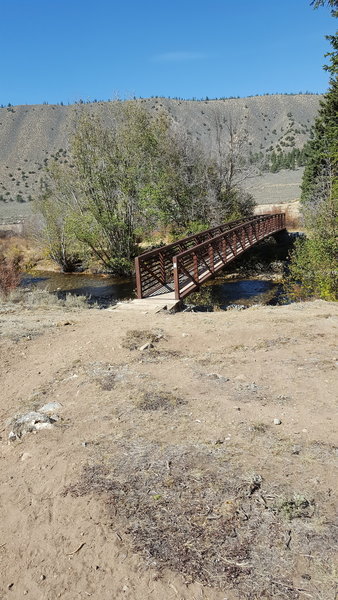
[{"x": 165, "y": 475}]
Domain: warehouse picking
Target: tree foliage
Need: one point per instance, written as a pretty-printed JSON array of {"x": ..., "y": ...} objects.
[
  {"x": 314, "y": 262},
  {"x": 124, "y": 181}
]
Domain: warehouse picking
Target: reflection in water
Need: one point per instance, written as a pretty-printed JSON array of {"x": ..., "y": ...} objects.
[
  {"x": 96, "y": 287},
  {"x": 245, "y": 291},
  {"x": 106, "y": 290}
]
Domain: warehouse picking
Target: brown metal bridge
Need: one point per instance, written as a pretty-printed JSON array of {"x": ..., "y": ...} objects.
[{"x": 181, "y": 267}]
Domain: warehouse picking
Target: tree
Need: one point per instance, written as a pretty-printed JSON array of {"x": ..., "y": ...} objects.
[
  {"x": 314, "y": 262},
  {"x": 54, "y": 208},
  {"x": 230, "y": 168},
  {"x": 123, "y": 182}
]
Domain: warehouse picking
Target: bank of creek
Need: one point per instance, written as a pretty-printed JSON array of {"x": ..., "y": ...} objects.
[
  {"x": 106, "y": 290},
  {"x": 253, "y": 278}
]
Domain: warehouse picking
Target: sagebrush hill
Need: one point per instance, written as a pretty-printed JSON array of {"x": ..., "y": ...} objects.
[{"x": 275, "y": 126}]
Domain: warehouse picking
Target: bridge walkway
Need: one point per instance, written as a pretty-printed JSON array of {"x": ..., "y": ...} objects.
[{"x": 180, "y": 268}]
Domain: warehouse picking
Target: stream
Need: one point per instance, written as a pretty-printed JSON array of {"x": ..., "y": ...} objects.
[{"x": 105, "y": 290}]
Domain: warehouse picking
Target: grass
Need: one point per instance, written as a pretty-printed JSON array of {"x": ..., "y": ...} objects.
[
  {"x": 158, "y": 400},
  {"x": 189, "y": 508},
  {"x": 136, "y": 338},
  {"x": 36, "y": 298}
]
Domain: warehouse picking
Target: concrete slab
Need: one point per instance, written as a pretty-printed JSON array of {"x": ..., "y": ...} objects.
[{"x": 151, "y": 304}]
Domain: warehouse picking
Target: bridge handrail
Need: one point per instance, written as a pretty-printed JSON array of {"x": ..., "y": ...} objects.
[
  {"x": 221, "y": 235},
  {"x": 193, "y": 236},
  {"x": 158, "y": 269}
]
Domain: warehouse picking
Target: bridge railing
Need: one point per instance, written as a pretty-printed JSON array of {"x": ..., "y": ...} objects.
[
  {"x": 197, "y": 264},
  {"x": 154, "y": 269}
]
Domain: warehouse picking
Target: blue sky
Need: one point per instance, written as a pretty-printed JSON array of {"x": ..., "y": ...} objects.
[{"x": 64, "y": 50}]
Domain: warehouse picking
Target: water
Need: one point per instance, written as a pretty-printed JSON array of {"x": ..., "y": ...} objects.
[
  {"x": 242, "y": 291},
  {"x": 99, "y": 288},
  {"x": 107, "y": 290}
]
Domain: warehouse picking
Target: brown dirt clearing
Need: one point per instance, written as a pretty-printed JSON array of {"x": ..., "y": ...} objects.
[{"x": 164, "y": 475}]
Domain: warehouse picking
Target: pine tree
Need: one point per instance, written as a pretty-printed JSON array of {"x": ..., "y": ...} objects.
[{"x": 314, "y": 262}]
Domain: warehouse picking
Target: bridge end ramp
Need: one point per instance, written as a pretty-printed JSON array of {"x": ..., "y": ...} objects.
[{"x": 152, "y": 304}]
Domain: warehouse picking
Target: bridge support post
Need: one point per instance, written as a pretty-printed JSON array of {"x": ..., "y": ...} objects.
[
  {"x": 138, "y": 278},
  {"x": 176, "y": 279}
]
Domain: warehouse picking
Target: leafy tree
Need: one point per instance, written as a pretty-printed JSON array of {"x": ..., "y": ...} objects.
[
  {"x": 122, "y": 182},
  {"x": 314, "y": 262},
  {"x": 54, "y": 206}
]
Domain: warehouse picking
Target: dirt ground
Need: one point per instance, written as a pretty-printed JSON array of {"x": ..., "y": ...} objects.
[{"x": 163, "y": 474}]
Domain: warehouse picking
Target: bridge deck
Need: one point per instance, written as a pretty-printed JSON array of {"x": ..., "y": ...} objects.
[{"x": 181, "y": 267}]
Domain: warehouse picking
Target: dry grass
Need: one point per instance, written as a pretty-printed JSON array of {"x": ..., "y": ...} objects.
[
  {"x": 36, "y": 298},
  {"x": 10, "y": 275},
  {"x": 136, "y": 338},
  {"x": 189, "y": 508},
  {"x": 158, "y": 400}
]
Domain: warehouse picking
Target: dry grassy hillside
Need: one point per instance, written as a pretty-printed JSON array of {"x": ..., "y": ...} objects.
[{"x": 30, "y": 135}]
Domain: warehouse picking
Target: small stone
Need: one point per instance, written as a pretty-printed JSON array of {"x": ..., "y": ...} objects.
[
  {"x": 240, "y": 378},
  {"x": 42, "y": 577},
  {"x": 25, "y": 592},
  {"x": 84, "y": 444},
  {"x": 277, "y": 422},
  {"x": 25, "y": 456},
  {"x": 146, "y": 346},
  {"x": 252, "y": 387},
  {"x": 10, "y": 586},
  {"x": 295, "y": 449},
  {"x": 237, "y": 407},
  {"x": 50, "y": 407}
]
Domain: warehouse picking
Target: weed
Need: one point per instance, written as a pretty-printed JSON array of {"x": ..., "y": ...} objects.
[
  {"x": 297, "y": 507},
  {"x": 135, "y": 338},
  {"x": 158, "y": 400},
  {"x": 189, "y": 509},
  {"x": 259, "y": 427}
]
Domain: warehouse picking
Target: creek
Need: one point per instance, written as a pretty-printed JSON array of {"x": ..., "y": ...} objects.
[{"x": 220, "y": 292}]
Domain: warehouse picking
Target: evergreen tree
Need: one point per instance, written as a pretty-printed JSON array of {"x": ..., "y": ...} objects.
[{"x": 314, "y": 262}]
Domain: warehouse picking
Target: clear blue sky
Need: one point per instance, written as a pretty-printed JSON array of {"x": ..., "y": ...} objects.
[{"x": 64, "y": 50}]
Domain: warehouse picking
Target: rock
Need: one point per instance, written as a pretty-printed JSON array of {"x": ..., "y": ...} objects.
[
  {"x": 25, "y": 456},
  {"x": 277, "y": 422},
  {"x": 252, "y": 387},
  {"x": 236, "y": 307},
  {"x": 295, "y": 449},
  {"x": 51, "y": 407},
  {"x": 217, "y": 377},
  {"x": 146, "y": 346},
  {"x": 30, "y": 422}
]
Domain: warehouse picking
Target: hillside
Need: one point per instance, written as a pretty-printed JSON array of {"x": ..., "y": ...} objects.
[{"x": 30, "y": 135}]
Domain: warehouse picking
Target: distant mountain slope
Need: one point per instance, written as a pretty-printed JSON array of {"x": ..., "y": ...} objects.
[{"x": 29, "y": 135}]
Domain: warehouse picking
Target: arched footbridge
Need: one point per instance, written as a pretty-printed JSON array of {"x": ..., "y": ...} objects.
[{"x": 181, "y": 267}]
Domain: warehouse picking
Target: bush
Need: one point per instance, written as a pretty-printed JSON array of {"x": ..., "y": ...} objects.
[{"x": 10, "y": 274}]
